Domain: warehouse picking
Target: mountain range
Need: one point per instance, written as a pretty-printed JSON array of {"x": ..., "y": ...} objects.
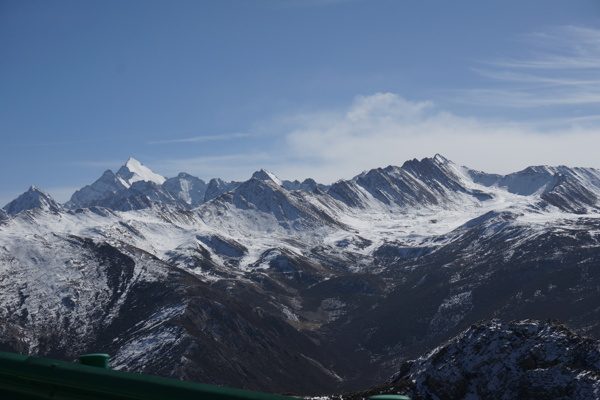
[{"x": 300, "y": 287}]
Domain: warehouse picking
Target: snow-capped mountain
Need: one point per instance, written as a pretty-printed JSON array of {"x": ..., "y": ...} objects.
[
  {"x": 257, "y": 283},
  {"x": 32, "y": 199},
  {"x": 134, "y": 171},
  {"x": 187, "y": 188},
  {"x": 133, "y": 187},
  {"x": 108, "y": 185}
]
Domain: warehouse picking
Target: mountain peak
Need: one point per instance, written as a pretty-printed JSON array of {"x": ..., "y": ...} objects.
[
  {"x": 540, "y": 169},
  {"x": 218, "y": 186},
  {"x": 438, "y": 158},
  {"x": 134, "y": 171},
  {"x": 33, "y": 198},
  {"x": 265, "y": 175},
  {"x": 186, "y": 187}
]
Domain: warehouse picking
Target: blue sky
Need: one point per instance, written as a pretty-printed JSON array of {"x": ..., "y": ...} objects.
[{"x": 303, "y": 88}]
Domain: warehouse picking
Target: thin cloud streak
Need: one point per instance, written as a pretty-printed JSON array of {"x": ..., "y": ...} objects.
[
  {"x": 520, "y": 99},
  {"x": 510, "y": 76},
  {"x": 202, "y": 139},
  {"x": 571, "y": 47},
  {"x": 565, "y": 72}
]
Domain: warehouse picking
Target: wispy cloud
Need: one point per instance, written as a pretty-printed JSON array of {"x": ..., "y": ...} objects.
[
  {"x": 511, "y": 76},
  {"x": 384, "y": 129},
  {"x": 562, "y": 67},
  {"x": 202, "y": 139},
  {"x": 561, "y": 70},
  {"x": 563, "y": 47}
]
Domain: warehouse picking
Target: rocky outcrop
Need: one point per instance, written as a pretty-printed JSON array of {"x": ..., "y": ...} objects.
[{"x": 495, "y": 360}]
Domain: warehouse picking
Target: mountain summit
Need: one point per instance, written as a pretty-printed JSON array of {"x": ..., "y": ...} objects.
[
  {"x": 103, "y": 191},
  {"x": 34, "y": 198},
  {"x": 265, "y": 175},
  {"x": 134, "y": 171}
]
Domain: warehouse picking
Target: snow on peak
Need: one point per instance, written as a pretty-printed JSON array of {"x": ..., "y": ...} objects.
[
  {"x": 265, "y": 175},
  {"x": 33, "y": 198},
  {"x": 134, "y": 171},
  {"x": 438, "y": 158},
  {"x": 540, "y": 169}
]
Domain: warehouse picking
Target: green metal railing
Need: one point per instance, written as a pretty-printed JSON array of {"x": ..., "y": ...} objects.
[{"x": 35, "y": 378}]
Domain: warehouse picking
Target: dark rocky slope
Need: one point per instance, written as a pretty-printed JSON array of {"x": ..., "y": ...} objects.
[{"x": 494, "y": 360}]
